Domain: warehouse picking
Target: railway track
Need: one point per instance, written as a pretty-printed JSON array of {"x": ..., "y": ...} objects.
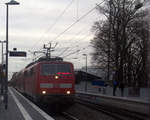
[
  {"x": 117, "y": 113},
  {"x": 64, "y": 116},
  {"x": 69, "y": 116}
]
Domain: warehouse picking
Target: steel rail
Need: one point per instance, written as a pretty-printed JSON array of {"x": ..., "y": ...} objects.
[
  {"x": 117, "y": 113},
  {"x": 69, "y": 116}
]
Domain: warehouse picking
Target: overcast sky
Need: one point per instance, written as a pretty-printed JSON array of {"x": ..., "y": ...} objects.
[{"x": 35, "y": 22}]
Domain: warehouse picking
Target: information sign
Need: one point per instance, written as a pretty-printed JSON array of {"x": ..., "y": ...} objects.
[{"x": 17, "y": 54}]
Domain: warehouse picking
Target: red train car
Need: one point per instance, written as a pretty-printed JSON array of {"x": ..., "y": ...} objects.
[{"x": 48, "y": 80}]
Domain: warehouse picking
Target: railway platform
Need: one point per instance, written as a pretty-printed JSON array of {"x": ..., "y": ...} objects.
[
  {"x": 20, "y": 108},
  {"x": 124, "y": 103}
]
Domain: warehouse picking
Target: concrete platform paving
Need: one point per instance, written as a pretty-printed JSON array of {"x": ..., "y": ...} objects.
[{"x": 20, "y": 108}]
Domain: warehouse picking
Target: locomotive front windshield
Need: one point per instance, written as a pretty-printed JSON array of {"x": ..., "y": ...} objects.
[{"x": 53, "y": 69}]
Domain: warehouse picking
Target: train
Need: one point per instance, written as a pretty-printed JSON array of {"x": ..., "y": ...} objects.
[{"x": 46, "y": 80}]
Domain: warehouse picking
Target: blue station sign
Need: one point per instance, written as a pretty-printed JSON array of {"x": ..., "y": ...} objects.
[{"x": 98, "y": 83}]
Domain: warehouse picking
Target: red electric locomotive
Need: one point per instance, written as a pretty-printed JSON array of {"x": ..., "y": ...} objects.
[{"x": 48, "y": 80}]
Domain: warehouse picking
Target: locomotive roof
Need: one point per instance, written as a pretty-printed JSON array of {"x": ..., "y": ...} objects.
[{"x": 43, "y": 59}]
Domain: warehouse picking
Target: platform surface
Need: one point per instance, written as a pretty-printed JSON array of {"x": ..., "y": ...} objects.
[{"x": 20, "y": 108}]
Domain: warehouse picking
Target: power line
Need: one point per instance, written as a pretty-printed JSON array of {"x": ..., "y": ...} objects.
[
  {"x": 63, "y": 51},
  {"x": 77, "y": 44},
  {"x": 77, "y": 51},
  {"x": 57, "y": 19},
  {"x": 77, "y": 34},
  {"x": 77, "y": 21},
  {"x": 71, "y": 53}
]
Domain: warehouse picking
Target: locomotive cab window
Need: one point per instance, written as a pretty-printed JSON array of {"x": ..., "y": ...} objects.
[{"x": 53, "y": 69}]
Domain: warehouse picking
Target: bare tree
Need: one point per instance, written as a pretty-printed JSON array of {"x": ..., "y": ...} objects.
[{"x": 124, "y": 35}]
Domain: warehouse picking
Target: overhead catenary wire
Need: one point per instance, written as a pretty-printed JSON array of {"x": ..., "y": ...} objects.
[
  {"x": 77, "y": 51},
  {"x": 57, "y": 19},
  {"x": 75, "y": 38},
  {"x": 77, "y": 21},
  {"x": 91, "y": 10},
  {"x": 71, "y": 53},
  {"x": 76, "y": 45},
  {"x": 63, "y": 51},
  {"x": 77, "y": 34}
]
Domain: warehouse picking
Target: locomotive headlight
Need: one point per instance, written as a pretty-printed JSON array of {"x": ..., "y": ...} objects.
[
  {"x": 56, "y": 77},
  {"x": 43, "y": 92},
  {"x": 68, "y": 92}
]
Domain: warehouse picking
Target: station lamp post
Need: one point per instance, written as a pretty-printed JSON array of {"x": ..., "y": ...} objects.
[
  {"x": 2, "y": 80},
  {"x": 12, "y": 2},
  {"x": 86, "y": 73}
]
